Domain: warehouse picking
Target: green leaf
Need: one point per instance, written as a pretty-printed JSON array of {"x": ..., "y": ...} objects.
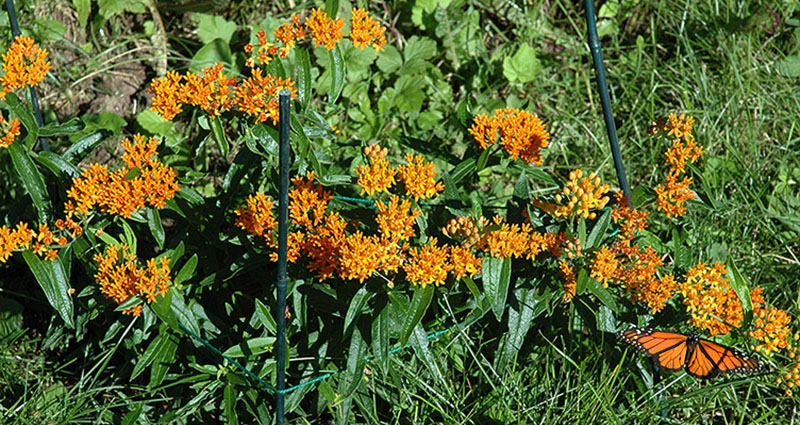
[
  {"x": 421, "y": 346},
  {"x": 210, "y": 27},
  {"x": 215, "y": 51},
  {"x": 182, "y": 312},
  {"x": 82, "y": 7},
  {"x": 601, "y": 293},
  {"x": 521, "y": 188},
  {"x": 741, "y": 286},
  {"x": 520, "y": 317},
  {"x": 332, "y": 8},
  {"x": 496, "y": 279},
  {"x": 380, "y": 339},
  {"x": 25, "y": 116},
  {"x": 109, "y": 8},
  {"x": 163, "y": 358},
  {"x": 264, "y": 140},
  {"x": 156, "y": 228},
  {"x": 419, "y": 305},
  {"x": 32, "y": 180},
  {"x": 55, "y": 163},
  {"x": 253, "y": 346},
  {"x": 789, "y": 66},
  {"x": 409, "y": 94},
  {"x": 187, "y": 271},
  {"x": 606, "y": 322},
  {"x": 463, "y": 169},
  {"x": 390, "y": 60},
  {"x": 357, "y": 304},
  {"x": 523, "y": 66},
  {"x": 356, "y": 360},
  {"x": 70, "y": 127},
  {"x": 54, "y": 282},
  {"x": 219, "y": 137},
  {"x": 304, "y": 84},
  {"x": 265, "y": 317},
  {"x": 85, "y": 145},
  {"x": 338, "y": 78},
  {"x": 158, "y": 344},
  {"x": 598, "y": 232},
  {"x": 230, "y": 397}
]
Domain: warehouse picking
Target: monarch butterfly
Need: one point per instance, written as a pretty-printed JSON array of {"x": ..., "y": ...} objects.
[{"x": 702, "y": 358}]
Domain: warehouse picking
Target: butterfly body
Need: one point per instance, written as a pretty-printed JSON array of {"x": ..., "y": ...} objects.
[{"x": 700, "y": 357}]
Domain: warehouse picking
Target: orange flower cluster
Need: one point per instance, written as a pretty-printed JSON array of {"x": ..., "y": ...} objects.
[
  {"x": 418, "y": 177},
  {"x": 630, "y": 266},
  {"x": 582, "y": 194},
  {"x": 258, "y": 95},
  {"x": 771, "y": 325},
  {"x": 429, "y": 264},
  {"x": 379, "y": 176},
  {"x": 25, "y": 64},
  {"x": 13, "y": 239},
  {"x": 10, "y": 130},
  {"x": 396, "y": 219},
  {"x": 324, "y": 30},
  {"x": 256, "y": 218},
  {"x": 121, "y": 278},
  {"x": 674, "y": 193},
  {"x": 215, "y": 93},
  {"x": 463, "y": 229},
  {"x": 365, "y": 31},
  {"x": 505, "y": 240},
  {"x": 710, "y": 300},
  {"x": 288, "y": 34},
  {"x": 522, "y": 134},
  {"x": 142, "y": 181}
]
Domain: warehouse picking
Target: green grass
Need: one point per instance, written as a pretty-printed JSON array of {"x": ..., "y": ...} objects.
[{"x": 716, "y": 61}]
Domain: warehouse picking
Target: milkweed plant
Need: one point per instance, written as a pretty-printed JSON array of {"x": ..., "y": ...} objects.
[{"x": 376, "y": 236}]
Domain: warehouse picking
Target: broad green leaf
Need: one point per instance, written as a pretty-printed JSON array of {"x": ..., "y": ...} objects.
[
  {"x": 25, "y": 116},
  {"x": 163, "y": 358},
  {"x": 390, "y": 60},
  {"x": 214, "y": 52},
  {"x": 521, "y": 188},
  {"x": 219, "y": 137},
  {"x": 210, "y": 27},
  {"x": 357, "y": 304},
  {"x": 264, "y": 140},
  {"x": 304, "y": 85},
  {"x": 182, "y": 312},
  {"x": 601, "y": 293},
  {"x": 523, "y": 66},
  {"x": 520, "y": 317},
  {"x": 32, "y": 180},
  {"x": 72, "y": 126},
  {"x": 598, "y": 231},
  {"x": 156, "y": 228},
  {"x": 409, "y": 96},
  {"x": 55, "y": 163},
  {"x": 419, "y": 342},
  {"x": 338, "y": 77},
  {"x": 606, "y": 322},
  {"x": 741, "y": 286},
  {"x": 109, "y": 8},
  {"x": 78, "y": 150},
  {"x": 332, "y": 8},
  {"x": 419, "y": 305},
  {"x": 496, "y": 279},
  {"x": 253, "y": 346},
  {"x": 187, "y": 271},
  {"x": 82, "y": 7},
  {"x": 380, "y": 339},
  {"x": 356, "y": 360},
  {"x": 54, "y": 282}
]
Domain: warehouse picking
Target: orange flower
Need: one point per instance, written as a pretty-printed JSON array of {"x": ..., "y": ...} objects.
[
  {"x": 324, "y": 30},
  {"x": 674, "y": 193},
  {"x": 289, "y": 34},
  {"x": 10, "y": 240},
  {"x": 11, "y": 130},
  {"x": 465, "y": 263},
  {"x": 522, "y": 134},
  {"x": 629, "y": 219},
  {"x": 257, "y": 218},
  {"x": 570, "y": 283},
  {"x": 118, "y": 192},
  {"x": 377, "y": 177},
  {"x": 168, "y": 95},
  {"x": 25, "y": 64},
  {"x": 360, "y": 256},
  {"x": 258, "y": 95},
  {"x": 211, "y": 92},
  {"x": 604, "y": 265},
  {"x": 510, "y": 240},
  {"x": 265, "y": 50},
  {"x": 582, "y": 194},
  {"x": 428, "y": 264},
  {"x": 418, "y": 177},
  {"x": 709, "y": 299},
  {"x": 463, "y": 229},
  {"x": 396, "y": 220},
  {"x": 771, "y": 325},
  {"x": 366, "y": 31},
  {"x": 121, "y": 278},
  {"x": 308, "y": 201},
  {"x": 323, "y": 245}
]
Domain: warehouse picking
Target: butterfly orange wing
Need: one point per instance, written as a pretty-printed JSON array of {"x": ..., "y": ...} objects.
[
  {"x": 709, "y": 359},
  {"x": 668, "y": 349}
]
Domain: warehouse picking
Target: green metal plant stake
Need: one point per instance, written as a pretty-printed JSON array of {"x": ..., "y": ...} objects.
[
  {"x": 283, "y": 228},
  {"x": 602, "y": 87}
]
